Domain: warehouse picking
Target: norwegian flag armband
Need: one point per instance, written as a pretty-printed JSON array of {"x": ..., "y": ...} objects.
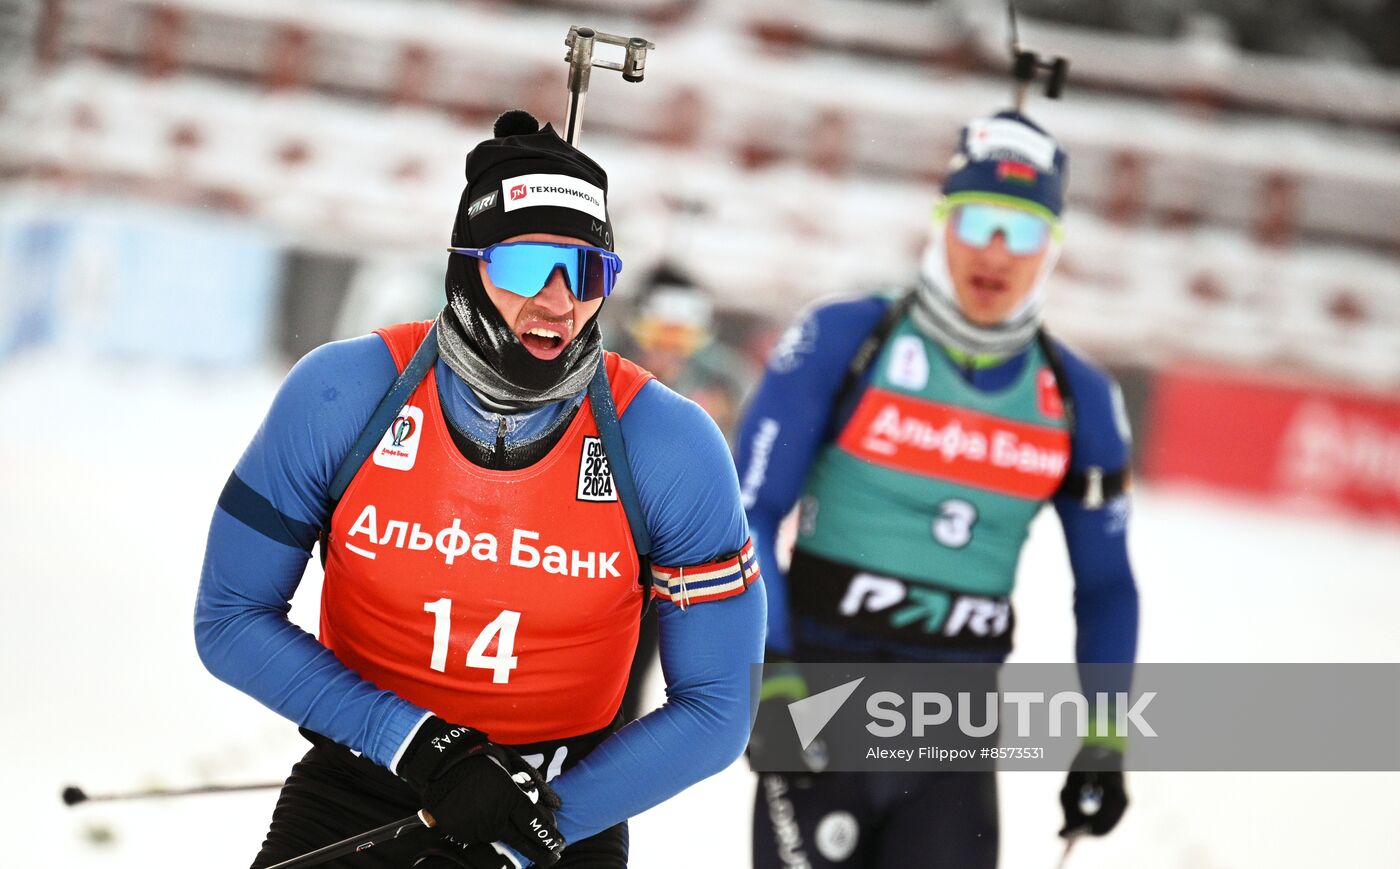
[{"x": 716, "y": 580}]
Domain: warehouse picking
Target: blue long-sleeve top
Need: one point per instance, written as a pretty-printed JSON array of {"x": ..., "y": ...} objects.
[
  {"x": 791, "y": 418},
  {"x": 271, "y": 512}
]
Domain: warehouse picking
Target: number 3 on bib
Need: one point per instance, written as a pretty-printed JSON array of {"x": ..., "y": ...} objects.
[
  {"x": 953, "y": 527},
  {"x": 501, "y": 629}
]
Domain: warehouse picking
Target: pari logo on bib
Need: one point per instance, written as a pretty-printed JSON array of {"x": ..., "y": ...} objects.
[{"x": 398, "y": 448}]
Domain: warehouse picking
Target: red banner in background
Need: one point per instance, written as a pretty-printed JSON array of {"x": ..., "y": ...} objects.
[{"x": 1317, "y": 443}]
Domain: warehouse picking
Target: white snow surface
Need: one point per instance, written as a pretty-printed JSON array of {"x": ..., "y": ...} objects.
[{"x": 108, "y": 477}]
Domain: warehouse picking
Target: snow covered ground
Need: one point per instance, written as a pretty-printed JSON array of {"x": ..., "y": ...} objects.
[{"x": 108, "y": 475}]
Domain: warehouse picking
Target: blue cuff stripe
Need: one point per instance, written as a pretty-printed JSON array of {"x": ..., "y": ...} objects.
[{"x": 240, "y": 501}]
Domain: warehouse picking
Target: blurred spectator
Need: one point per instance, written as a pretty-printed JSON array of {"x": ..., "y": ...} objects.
[{"x": 672, "y": 335}]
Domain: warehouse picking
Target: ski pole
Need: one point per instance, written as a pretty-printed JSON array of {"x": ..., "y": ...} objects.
[
  {"x": 73, "y": 795},
  {"x": 579, "y": 57},
  {"x": 360, "y": 842},
  {"x": 1090, "y": 801},
  {"x": 1069, "y": 846}
]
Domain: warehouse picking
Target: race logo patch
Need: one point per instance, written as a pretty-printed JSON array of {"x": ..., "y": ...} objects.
[
  {"x": 560, "y": 191},
  {"x": 595, "y": 482},
  {"x": 908, "y": 368},
  {"x": 398, "y": 449}
]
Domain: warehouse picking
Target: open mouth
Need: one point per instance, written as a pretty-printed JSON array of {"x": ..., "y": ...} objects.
[
  {"x": 545, "y": 341},
  {"x": 987, "y": 284}
]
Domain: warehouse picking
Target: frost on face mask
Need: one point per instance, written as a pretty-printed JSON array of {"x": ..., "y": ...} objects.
[{"x": 480, "y": 346}]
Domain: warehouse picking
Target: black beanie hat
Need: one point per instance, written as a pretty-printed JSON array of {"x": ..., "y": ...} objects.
[
  {"x": 529, "y": 180},
  {"x": 525, "y": 180}
]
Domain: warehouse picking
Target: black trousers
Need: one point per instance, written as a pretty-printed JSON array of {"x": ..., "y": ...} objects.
[
  {"x": 876, "y": 820},
  {"x": 333, "y": 794}
]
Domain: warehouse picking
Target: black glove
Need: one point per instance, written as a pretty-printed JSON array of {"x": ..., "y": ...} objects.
[
  {"x": 449, "y": 853},
  {"x": 480, "y": 792},
  {"x": 773, "y": 744},
  {"x": 1093, "y": 797}
]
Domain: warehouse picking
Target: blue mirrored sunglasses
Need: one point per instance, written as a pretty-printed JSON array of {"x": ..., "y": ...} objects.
[
  {"x": 977, "y": 223},
  {"x": 524, "y": 267}
]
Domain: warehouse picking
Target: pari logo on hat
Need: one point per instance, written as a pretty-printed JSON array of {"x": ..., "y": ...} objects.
[
  {"x": 560, "y": 191},
  {"x": 482, "y": 203}
]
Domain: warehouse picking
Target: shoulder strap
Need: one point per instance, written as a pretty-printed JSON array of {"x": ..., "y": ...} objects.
[
  {"x": 870, "y": 348},
  {"x": 389, "y": 407},
  {"x": 1091, "y": 487},
  {"x": 600, "y": 398}
]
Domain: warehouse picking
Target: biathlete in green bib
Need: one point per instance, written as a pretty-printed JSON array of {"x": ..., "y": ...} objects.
[{"x": 918, "y": 433}]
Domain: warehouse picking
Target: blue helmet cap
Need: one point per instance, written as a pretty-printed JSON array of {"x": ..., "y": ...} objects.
[{"x": 1010, "y": 155}]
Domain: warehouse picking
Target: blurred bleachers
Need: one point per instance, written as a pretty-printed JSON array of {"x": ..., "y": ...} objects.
[
  {"x": 1182, "y": 50},
  {"x": 1225, "y": 205}
]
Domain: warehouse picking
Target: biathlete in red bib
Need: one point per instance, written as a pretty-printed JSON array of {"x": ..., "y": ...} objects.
[{"x": 497, "y": 499}]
